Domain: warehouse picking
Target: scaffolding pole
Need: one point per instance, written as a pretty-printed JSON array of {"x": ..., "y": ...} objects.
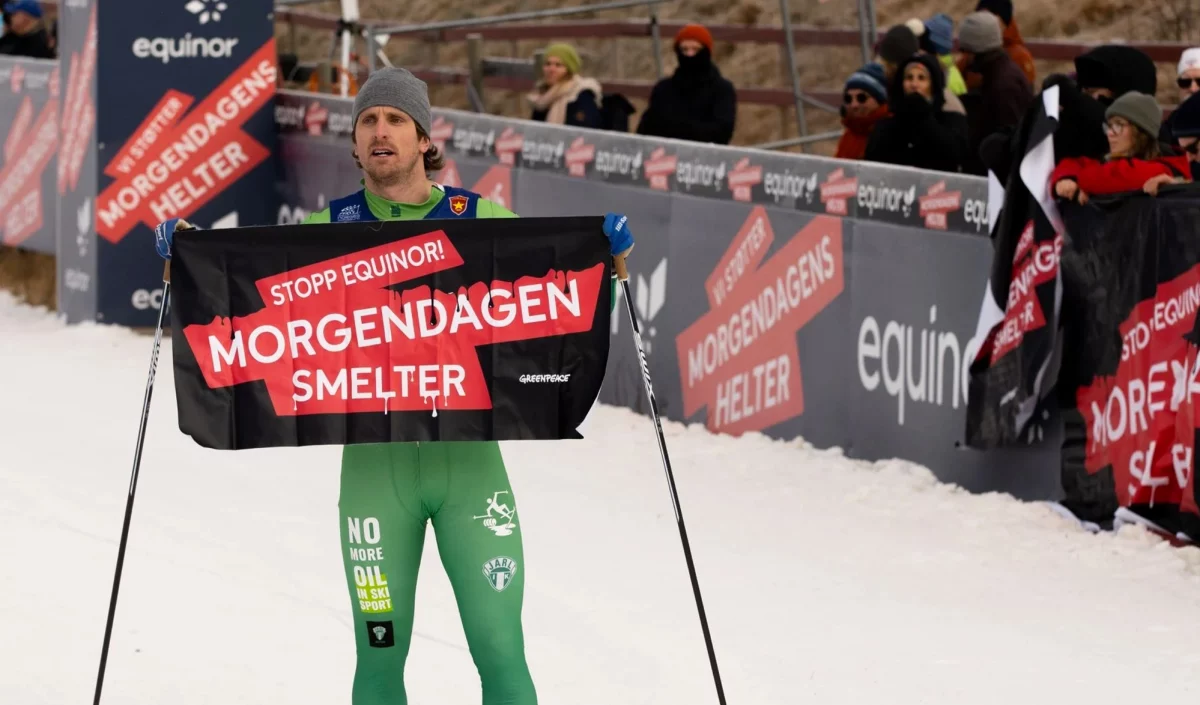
[{"x": 786, "y": 12}]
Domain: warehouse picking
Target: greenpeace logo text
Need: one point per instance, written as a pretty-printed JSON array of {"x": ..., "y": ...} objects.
[
  {"x": 540, "y": 379},
  {"x": 186, "y": 47}
]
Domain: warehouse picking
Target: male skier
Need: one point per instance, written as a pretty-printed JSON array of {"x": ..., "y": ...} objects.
[{"x": 390, "y": 490}]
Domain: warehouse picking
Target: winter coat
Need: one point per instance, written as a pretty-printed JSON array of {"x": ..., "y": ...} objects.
[
  {"x": 33, "y": 45},
  {"x": 1118, "y": 68},
  {"x": 998, "y": 104},
  {"x": 1080, "y": 130},
  {"x": 853, "y": 143},
  {"x": 582, "y": 103},
  {"x": 1117, "y": 175},
  {"x": 920, "y": 133},
  {"x": 695, "y": 103},
  {"x": 1014, "y": 45}
]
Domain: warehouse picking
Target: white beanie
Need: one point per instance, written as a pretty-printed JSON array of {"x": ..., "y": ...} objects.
[{"x": 1189, "y": 60}]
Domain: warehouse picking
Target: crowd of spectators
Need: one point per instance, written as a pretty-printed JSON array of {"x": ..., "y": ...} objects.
[{"x": 926, "y": 103}]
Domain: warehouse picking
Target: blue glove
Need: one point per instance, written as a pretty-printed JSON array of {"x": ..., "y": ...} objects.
[
  {"x": 164, "y": 233},
  {"x": 616, "y": 227}
]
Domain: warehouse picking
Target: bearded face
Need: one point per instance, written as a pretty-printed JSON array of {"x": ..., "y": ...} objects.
[{"x": 387, "y": 146}]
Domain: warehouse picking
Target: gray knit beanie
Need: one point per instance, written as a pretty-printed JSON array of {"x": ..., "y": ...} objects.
[
  {"x": 1139, "y": 109},
  {"x": 980, "y": 32},
  {"x": 397, "y": 88}
]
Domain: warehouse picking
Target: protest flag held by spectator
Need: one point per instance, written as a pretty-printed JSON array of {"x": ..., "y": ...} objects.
[
  {"x": 864, "y": 103},
  {"x": 920, "y": 132},
  {"x": 695, "y": 103},
  {"x": 563, "y": 96},
  {"x": 25, "y": 32},
  {"x": 1134, "y": 156},
  {"x": 1003, "y": 94}
]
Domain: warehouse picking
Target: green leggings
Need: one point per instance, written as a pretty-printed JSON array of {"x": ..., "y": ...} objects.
[{"x": 388, "y": 492}]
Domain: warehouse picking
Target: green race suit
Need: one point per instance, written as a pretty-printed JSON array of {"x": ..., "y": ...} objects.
[{"x": 388, "y": 493}]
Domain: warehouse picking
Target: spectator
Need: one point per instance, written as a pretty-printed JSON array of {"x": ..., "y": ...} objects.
[
  {"x": 564, "y": 97},
  {"x": 1188, "y": 80},
  {"x": 1186, "y": 129},
  {"x": 899, "y": 45},
  {"x": 1013, "y": 43},
  {"x": 695, "y": 103},
  {"x": 864, "y": 103},
  {"x": 920, "y": 132},
  {"x": 1133, "y": 157},
  {"x": 1108, "y": 72},
  {"x": 25, "y": 31},
  {"x": 936, "y": 37},
  {"x": 1003, "y": 96},
  {"x": 1102, "y": 75}
]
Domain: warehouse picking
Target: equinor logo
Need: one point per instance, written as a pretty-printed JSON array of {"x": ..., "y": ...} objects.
[
  {"x": 914, "y": 365},
  {"x": 881, "y": 197},
  {"x": 186, "y": 47}
]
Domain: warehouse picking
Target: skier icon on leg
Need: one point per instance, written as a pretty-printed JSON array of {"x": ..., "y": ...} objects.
[{"x": 503, "y": 512}]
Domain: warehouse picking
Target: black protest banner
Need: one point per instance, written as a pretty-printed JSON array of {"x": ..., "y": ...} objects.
[
  {"x": 1013, "y": 371},
  {"x": 1134, "y": 373},
  {"x": 426, "y": 330}
]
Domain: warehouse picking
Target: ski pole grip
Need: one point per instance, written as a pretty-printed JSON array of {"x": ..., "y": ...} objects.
[{"x": 622, "y": 270}]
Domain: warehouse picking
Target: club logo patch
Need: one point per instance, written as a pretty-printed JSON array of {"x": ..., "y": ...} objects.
[
  {"x": 500, "y": 572},
  {"x": 458, "y": 204},
  {"x": 380, "y": 635},
  {"x": 499, "y": 518}
]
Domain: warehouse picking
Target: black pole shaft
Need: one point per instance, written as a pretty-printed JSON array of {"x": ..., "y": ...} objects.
[
  {"x": 137, "y": 461},
  {"x": 662, "y": 449}
]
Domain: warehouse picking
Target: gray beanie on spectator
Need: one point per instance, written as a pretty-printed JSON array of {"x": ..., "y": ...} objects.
[
  {"x": 1139, "y": 109},
  {"x": 397, "y": 88},
  {"x": 980, "y": 32}
]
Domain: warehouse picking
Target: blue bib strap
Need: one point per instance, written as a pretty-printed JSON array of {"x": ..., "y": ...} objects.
[
  {"x": 352, "y": 208},
  {"x": 457, "y": 203}
]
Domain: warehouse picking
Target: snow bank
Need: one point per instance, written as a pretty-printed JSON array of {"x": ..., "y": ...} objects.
[{"x": 826, "y": 580}]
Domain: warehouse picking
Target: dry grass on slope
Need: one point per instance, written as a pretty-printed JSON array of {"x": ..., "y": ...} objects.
[{"x": 749, "y": 64}]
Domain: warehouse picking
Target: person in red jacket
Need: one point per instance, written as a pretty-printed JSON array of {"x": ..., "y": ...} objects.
[{"x": 1134, "y": 157}]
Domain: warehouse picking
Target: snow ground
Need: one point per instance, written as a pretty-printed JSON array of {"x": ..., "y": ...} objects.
[{"x": 826, "y": 580}]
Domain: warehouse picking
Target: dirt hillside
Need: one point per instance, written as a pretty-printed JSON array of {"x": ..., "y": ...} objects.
[{"x": 820, "y": 68}]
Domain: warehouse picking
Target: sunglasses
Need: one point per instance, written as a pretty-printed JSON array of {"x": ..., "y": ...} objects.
[
  {"x": 1184, "y": 82},
  {"x": 859, "y": 98}
]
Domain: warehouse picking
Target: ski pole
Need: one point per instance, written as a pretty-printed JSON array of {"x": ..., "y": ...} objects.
[
  {"x": 623, "y": 275},
  {"x": 137, "y": 461}
]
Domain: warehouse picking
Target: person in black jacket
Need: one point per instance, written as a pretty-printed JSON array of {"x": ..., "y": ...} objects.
[
  {"x": 25, "y": 32},
  {"x": 920, "y": 133},
  {"x": 564, "y": 97},
  {"x": 999, "y": 102},
  {"x": 696, "y": 103}
]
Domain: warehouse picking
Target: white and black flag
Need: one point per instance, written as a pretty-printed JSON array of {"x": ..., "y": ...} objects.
[{"x": 1014, "y": 371}]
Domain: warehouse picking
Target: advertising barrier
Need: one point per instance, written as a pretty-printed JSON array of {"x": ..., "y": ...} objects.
[
  {"x": 29, "y": 110},
  {"x": 187, "y": 91},
  {"x": 777, "y": 293}
]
